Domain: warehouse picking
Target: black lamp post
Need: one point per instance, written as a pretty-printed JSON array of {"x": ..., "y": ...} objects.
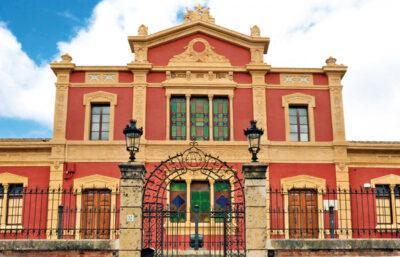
[
  {"x": 132, "y": 138},
  {"x": 254, "y": 134}
]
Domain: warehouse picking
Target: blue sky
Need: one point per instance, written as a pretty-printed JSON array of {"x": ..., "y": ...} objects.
[
  {"x": 39, "y": 25},
  {"x": 359, "y": 33}
]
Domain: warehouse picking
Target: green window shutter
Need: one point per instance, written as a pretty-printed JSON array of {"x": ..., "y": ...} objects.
[
  {"x": 199, "y": 118},
  {"x": 178, "y": 201},
  {"x": 200, "y": 196},
  {"x": 178, "y": 118},
  {"x": 221, "y": 118}
]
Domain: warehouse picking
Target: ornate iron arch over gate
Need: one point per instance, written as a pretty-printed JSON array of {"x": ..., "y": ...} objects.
[{"x": 194, "y": 205}]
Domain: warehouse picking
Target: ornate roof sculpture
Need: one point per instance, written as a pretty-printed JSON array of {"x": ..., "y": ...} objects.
[{"x": 200, "y": 13}]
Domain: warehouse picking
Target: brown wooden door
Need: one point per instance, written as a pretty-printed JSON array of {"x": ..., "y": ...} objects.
[
  {"x": 303, "y": 213},
  {"x": 95, "y": 214}
]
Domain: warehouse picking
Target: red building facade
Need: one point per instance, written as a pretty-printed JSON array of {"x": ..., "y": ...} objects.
[{"x": 203, "y": 82}]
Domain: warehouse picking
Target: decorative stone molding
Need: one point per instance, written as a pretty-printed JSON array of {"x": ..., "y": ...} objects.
[
  {"x": 210, "y": 78},
  {"x": 296, "y": 79},
  {"x": 140, "y": 53},
  {"x": 132, "y": 170},
  {"x": 257, "y": 55},
  {"x": 200, "y": 13},
  {"x": 96, "y": 181},
  {"x": 300, "y": 99},
  {"x": 101, "y": 77},
  {"x": 199, "y": 53},
  {"x": 390, "y": 179},
  {"x": 255, "y": 170},
  {"x": 10, "y": 178},
  {"x": 99, "y": 97},
  {"x": 304, "y": 182}
]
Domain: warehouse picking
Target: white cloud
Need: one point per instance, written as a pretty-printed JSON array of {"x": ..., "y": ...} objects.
[{"x": 359, "y": 33}]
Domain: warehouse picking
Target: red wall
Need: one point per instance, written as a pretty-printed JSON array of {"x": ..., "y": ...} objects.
[
  {"x": 242, "y": 78},
  {"x": 359, "y": 176},
  {"x": 76, "y": 110},
  {"x": 156, "y": 77},
  {"x": 278, "y": 171},
  {"x": 320, "y": 79},
  {"x": 125, "y": 77},
  {"x": 242, "y": 111},
  {"x": 156, "y": 116},
  {"x": 161, "y": 54},
  {"x": 83, "y": 169},
  {"x": 77, "y": 77},
  {"x": 276, "y": 118},
  {"x": 273, "y": 78},
  {"x": 37, "y": 176}
]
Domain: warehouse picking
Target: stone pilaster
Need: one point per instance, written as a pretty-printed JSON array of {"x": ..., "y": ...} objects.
[
  {"x": 259, "y": 95},
  {"x": 256, "y": 209},
  {"x": 62, "y": 69},
  {"x": 130, "y": 238},
  {"x": 335, "y": 72}
]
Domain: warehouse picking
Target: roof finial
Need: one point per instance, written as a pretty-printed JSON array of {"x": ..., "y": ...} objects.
[
  {"x": 200, "y": 13},
  {"x": 66, "y": 58},
  {"x": 255, "y": 31},
  {"x": 143, "y": 30}
]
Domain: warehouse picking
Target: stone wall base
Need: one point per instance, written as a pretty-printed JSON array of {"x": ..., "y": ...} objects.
[
  {"x": 338, "y": 253},
  {"x": 342, "y": 248},
  {"x": 69, "y": 253},
  {"x": 58, "y": 248}
]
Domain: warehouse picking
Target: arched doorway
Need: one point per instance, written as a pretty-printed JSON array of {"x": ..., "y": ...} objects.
[{"x": 194, "y": 205}]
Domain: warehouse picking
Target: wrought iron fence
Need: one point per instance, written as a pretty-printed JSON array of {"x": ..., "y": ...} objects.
[
  {"x": 33, "y": 213},
  {"x": 334, "y": 213}
]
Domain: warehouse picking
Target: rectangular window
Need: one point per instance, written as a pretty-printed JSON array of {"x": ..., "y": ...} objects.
[
  {"x": 221, "y": 118},
  {"x": 100, "y": 122},
  {"x": 177, "y": 201},
  {"x": 14, "y": 204},
  {"x": 298, "y": 122},
  {"x": 199, "y": 118},
  {"x": 383, "y": 204},
  {"x": 222, "y": 199},
  {"x": 397, "y": 202},
  {"x": 200, "y": 196},
  {"x": 178, "y": 118}
]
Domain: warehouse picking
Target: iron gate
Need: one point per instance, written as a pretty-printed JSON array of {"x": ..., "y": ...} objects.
[{"x": 193, "y": 205}]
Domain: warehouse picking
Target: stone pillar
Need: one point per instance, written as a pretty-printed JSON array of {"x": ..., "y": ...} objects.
[
  {"x": 130, "y": 238},
  {"x": 256, "y": 208}
]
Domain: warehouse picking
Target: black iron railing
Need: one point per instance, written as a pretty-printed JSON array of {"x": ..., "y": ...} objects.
[
  {"x": 33, "y": 213},
  {"x": 333, "y": 213}
]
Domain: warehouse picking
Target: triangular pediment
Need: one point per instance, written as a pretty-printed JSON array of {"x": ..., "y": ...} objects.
[{"x": 207, "y": 28}]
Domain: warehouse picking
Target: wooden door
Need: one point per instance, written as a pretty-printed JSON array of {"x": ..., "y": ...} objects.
[
  {"x": 95, "y": 214},
  {"x": 303, "y": 213}
]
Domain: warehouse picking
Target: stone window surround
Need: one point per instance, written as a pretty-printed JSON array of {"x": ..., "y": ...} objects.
[
  {"x": 188, "y": 178},
  {"x": 304, "y": 182},
  {"x": 392, "y": 180},
  {"x": 6, "y": 179},
  {"x": 99, "y": 97},
  {"x": 95, "y": 181},
  {"x": 299, "y": 99},
  {"x": 188, "y": 93}
]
